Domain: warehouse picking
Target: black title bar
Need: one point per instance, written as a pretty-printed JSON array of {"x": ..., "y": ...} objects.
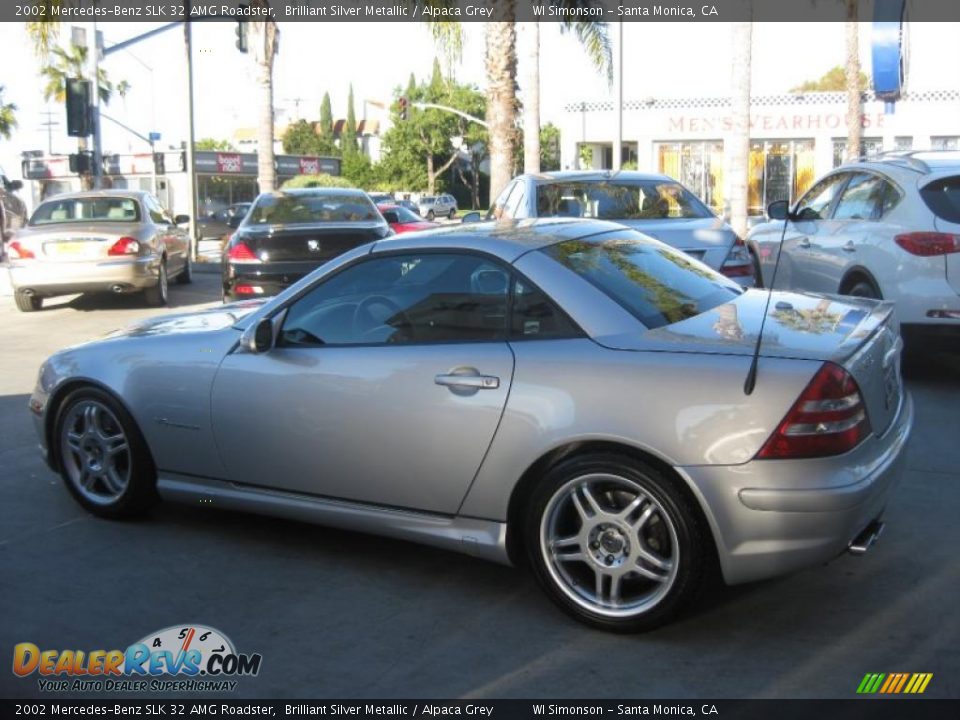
[{"x": 477, "y": 10}]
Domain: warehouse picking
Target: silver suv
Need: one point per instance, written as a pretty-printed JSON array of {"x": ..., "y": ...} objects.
[{"x": 438, "y": 206}]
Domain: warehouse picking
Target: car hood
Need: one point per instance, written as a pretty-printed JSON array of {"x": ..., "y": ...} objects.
[
  {"x": 804, "y": 326},
  {"x": 209, "y": 319},
  {"x": 686, "y": 234}
]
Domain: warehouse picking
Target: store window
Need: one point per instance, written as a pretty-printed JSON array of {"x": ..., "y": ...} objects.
[
  {"x": 949, "y": 142},
  {"x": 218, "y": 192},
  {"x": 698, "y": 166},
  {"x": 779, "y": 170},
  {"x": 902, "y": 143},
  {"x": 868, "y": 148}
]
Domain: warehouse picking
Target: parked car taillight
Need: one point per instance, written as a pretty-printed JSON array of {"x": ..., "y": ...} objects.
[
  {"x": 124, "y": 246},
  {"x": 18, "y": 252},
  {"x": 928, "y": 244},
  {"x": 829, "y": 418},
  {"x": 241, "y": 252},
  {"x": 739, "y": 262}
]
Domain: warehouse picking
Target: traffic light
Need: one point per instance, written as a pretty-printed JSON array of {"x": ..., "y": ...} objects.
[
  {"x": 241, "y": 31},
  {"x": 81, "y": 163},
  {"x": 404, "y": 108},
  {"x": 159, "y": 167},
  {"x": 79, "y": 121}
]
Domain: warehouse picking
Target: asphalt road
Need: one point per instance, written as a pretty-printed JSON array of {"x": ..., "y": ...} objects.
[{"x": 337, "y": 614}]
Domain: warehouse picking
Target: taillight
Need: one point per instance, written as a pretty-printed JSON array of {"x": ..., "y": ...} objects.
[
  {"x": 928, "y": 244},
  {"x": 829, "y": 418},
  {"x": 124, "y": 246},
  {"x": 19, "y": 252},
  {"x": 241, "y": 252},
  {"x": 739, "y": 262}
]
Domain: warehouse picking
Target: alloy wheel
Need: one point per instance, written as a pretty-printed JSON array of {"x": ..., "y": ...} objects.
[{"x": 95, "y": 452}]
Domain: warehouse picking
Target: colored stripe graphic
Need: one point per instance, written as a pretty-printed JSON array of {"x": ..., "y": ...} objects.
[{"x": 894, "y": 683}]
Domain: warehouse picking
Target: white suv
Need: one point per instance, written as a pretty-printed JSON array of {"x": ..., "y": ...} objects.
[
  {"x": 438, "y": 206},
  {"x": 886, "y": 227}
]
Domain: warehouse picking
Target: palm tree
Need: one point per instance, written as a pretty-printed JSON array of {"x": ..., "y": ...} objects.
[
  {"x": 594, "y": 38},
  {"x": 854, "y": 108},
  {"x": 8, "y": 119},
  {"x": 264, "y": 38},
  {"x": 501, "y": 68},
  {"x": 739, "y": 143}
]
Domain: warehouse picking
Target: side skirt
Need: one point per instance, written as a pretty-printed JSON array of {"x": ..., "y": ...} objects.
[{"x": 484, "y": 539}]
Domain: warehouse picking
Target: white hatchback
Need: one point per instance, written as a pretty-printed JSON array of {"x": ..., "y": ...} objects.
[{"x": 885, "y": 227}]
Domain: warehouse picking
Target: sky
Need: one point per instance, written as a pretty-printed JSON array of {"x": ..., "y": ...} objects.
[{"x": 660, "y": 60}]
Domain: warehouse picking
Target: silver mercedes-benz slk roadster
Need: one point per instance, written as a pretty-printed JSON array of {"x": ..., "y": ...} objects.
[{"x": 567, "y": 394}]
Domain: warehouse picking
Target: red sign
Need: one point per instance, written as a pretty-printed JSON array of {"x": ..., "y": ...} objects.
[
  {"x": 309, "y": 166},
  {"x": 229, "y": 162}
]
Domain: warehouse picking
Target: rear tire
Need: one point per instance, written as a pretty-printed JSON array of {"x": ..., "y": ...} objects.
[
  {"x": 104, "y": 460},
  {"x": 186, "y": 275},
  {"x": 452, "y": 215},
  {"x": 27, "y": 303},
  {"x": 430, "y": 215},
  {"x": 614, "y": 543},
  {"x": 157, "y": 296},
  {"x": 864, "y": 289}
]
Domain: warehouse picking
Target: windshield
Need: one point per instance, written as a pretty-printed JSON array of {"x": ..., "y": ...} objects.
[
  {"x": 620, "y": 199},
  {"x": 657, "y": 284},
  {"x": 317, "y": 207},
  {"x": 92, "y": 209}
]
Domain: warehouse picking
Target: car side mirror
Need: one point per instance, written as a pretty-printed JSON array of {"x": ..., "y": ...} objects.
[
  {"x": 181, "y": 219},
  {"x": 15, "y": 185},
  {"x": 391, "y": 216},
  {"x": 778, "y": 210},
  {"x": 471, "y": 217},
  {"x": 258, "y": 338}
]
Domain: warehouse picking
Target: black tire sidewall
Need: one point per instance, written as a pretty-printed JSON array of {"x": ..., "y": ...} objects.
[
  {"x": 864, "y": 289},
  {"x": 691, "y": 538},
  {"x": 155, "y": 295},
  {"x": 141, "y": 491}
]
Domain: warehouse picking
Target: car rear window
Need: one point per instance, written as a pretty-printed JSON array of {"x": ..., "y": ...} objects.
[
  {"x": 282, "y": 208},
  {"x": 622, "y": 199},
  {"x": 98, "y": 209},
  {"x": 657, "y": 284},
  {"x": 943, "y": 198}
]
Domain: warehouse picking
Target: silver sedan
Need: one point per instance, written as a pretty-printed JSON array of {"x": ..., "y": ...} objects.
[
  {"x": 567, "y": 394},
  {"x": 115, "y": 241}
]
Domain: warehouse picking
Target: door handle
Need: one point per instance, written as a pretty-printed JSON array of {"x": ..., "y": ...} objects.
[
  {"x": 478, "y": 382},
  {"x": 804, "y": 242},
  {"x": 849, "y": 247}
]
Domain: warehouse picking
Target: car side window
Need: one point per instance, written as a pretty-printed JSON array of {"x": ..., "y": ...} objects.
[
  {"x": 536, "y": 317},
  {"x": 862, "y": 198},
  {"x": 499, "y": 206},
  {"x": 515, "y": 201},
  {"x": 403, "y": 299},
  {"x": 157, "y": 214},
  {"x": 816, "y": 204}
]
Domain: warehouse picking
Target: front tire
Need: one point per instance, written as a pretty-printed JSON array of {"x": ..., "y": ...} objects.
[
  {"x": 614, "y": 543},
  {"x": 103, "y": 458},
  {"x": 27, "y": 303},
  {"x": 158, "y": 295},
  {"x": 430, "y": 215},
  {"x": 452, "y": 215}
]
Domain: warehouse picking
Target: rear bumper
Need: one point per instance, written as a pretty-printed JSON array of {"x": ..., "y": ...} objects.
[
  {"x": 771, "y": 517},
  {"x": 264, "y": 280},
  {"x": 48, "y": 279}
]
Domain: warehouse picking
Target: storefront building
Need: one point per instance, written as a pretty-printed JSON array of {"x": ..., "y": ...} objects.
[
  {"x": 222, "y": 178},
  {"x": 795, "y": 138}
]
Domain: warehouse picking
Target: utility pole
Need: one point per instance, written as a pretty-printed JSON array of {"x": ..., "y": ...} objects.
[
  {"x": 618, "y": 102},
  {"x": 49, "y": 124},
  {"x": 191, "y": 176},
  {"x": 93, "y": 60}
]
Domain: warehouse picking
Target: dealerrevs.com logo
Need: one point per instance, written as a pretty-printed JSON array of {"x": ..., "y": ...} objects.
[{"x": 176, "y": 659}]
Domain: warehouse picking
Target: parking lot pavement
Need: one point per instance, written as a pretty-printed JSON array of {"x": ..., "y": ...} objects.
[{"x": 337, "y": 614}]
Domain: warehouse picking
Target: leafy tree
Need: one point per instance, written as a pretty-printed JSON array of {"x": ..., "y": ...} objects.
[
  {"x": 213, "y": 144},
  {"x": 411, "y": 85},
  {"x": 358, "y": 171},
  {"x": 8, "y": 119},
  {"x": 834, "y": 80},
  {"x": 348, "y": 137},
  {"x": 300, "y": 138},
  {"x": 326, "y": 145},
  {"x": 549, "y": 147},
  {"x": 419, "y": 150}
]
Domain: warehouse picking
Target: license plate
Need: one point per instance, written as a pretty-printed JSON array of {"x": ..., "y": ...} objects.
[{"x": 70, "y": 249}]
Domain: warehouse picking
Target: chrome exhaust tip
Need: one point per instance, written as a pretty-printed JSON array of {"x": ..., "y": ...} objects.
[
  {"x": 867, "y": 537},
  {"x": 116, "y": 288}
]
